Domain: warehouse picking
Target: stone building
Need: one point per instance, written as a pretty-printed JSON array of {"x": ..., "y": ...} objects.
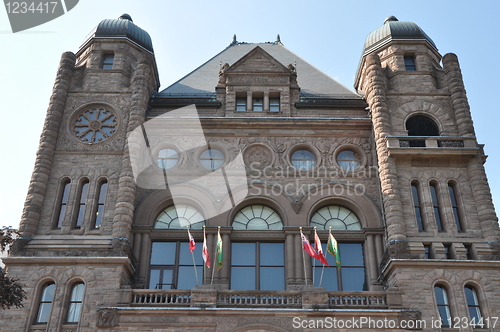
[{"x": 257, "y": 146}]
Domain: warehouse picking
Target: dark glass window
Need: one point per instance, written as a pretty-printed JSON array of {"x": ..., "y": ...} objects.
[
  {"x": 349, "y": 160},
  {"x": 303, "y": 159},
  {"x": 258, "y": 104},
  {"x": 75, "y": 303},
  {"x": 83, "y": 192},
  {"x": 428, "y": 251},
  {"x": 167, "y": 158},
  {"x": 171, "y": 266},
  {"x": 335, "y": 217},
  {"x": 443, "y": 305},
  {"x": 454, "y": 206},
  {"x": 351, "y": 275},
  {"x": 416, "y": 204},
  {"x": 274, "y": 104},
  {"x": 435, "y": 204},
  {"x": 410, "y": 63},
  {"x": 212, "y": 159},
  {"x": 101, "y": 201},
  {"x": 63, "y": 202},
  {"x": 179, "y": 216},
  {"x": 257, "y": 266},
  {"x": 448, "y": 251},
  {"x": 468, "y": 251},
  {"x": 107, "y": 61},
  {"x": 241, "y": 104},
  {"x": 421, "y": 125},
  {"x": 257, "y": 217},
  {"x": 45, "y": 304},
  {"x": 476, "y": 318}
]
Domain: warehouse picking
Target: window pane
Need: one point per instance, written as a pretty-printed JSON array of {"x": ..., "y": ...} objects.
[
  {"x": 74, "y": 312},
  {"x": 272, "y": 254},
  {"x": 167, "y": 158},
  {"x": 272, "y": 278},
  {"x": 243, "y": 278},
  {"x": 303, "y": 159},
  {"x": 185, "y": 256},
  {"x": 187, "y": 277},
  {"x": 163, "y": 253},
  {"x": 349, "y": 160},
  {"x": 211, "y": 159},
  {"x": 44, "y": 313},
  {"x": 330, "y": 280},
  {"x": 353, "y": 279},
  {"x": 154, "y": 278},
  {"x": 241, "y": 104},
  {"x": 351, "y": 254},
  {"x": 243, "y": 254},
  {"x": 274, "y": 104}
]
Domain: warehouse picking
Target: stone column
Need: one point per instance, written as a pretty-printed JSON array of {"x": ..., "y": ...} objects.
[
  {"x": 299, "y": 264},
  {"x": 458, "y": 95},
  {"x": 372, "y": 260},
  {"x": 266, "y": 101},
  {"x": 379, "y": 246},
  {"x": 45, "y": 154},
  {"x": 143, "y": 258},
  {"x": 393, "y": 208},
  {"x": 226, "y": 262},
  {"x": 289, "y": 256},
  {"x": 124, "y": 208},
  {"x": 249, "y": 101}
]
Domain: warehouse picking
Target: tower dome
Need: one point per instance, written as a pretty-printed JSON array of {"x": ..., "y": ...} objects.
[
  {"x": 122, "y": 27},
  {"x": 393, "y": 29}
]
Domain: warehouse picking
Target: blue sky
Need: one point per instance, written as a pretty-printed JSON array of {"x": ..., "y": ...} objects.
[{"x": 327, "y": 34}]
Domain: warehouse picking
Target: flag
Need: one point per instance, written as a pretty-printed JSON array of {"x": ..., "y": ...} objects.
[
  {"x": 307, "y": 246},
  {"x": 219, "y": 251},
  {"x": 192, "y": 244},
  {"x": 204, "y": 251},
  {"x": 319, "y": 249},
  {"x": 333, "y": 248}
]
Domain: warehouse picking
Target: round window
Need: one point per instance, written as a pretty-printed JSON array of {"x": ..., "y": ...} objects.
[
  {"x": 349, "y": 160},
  {"x": 337, "y": 217},
  {"x": 303, "y": 159},
  {"x": 212, "y": 159},
  {"x": 178, "y": 217},
  {"x": 257, "y": 217},
  {"x": 94, "y": 125},
  {"x": 167, "y": 158}
]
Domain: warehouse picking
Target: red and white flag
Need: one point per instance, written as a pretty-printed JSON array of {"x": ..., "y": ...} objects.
[
  {"x": 192, "y": 244},
  {"x": 204, "y": 252},
  {"x": 319, "y": 249},
  {"x": 307, "y": 246}
]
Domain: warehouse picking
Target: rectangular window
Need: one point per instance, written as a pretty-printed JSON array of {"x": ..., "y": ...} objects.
[
  {"x": 258, "y": 104},
  {"x": 241, "y": 104},
  {"x": 274, "y": 104},
  {"x": 171, "y": 266},
  {"x": 454, "y": 206},
  {"x": 428, "y": 252},
  {"x": 351, "y": 275},
  {"x": 410, "y": 63},
  {"x": 257, "y": 266},
  {"x": 435, "y": 204},
  {"x": 107, "y": 61},
  {"x": 448, "y": 251},
  {"x": 416, "y": 206}
]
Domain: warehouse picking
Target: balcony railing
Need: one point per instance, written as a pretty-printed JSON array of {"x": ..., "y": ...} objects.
[
  {"x": 257, "y": 299},
  {"x": 441, "y": 145}
]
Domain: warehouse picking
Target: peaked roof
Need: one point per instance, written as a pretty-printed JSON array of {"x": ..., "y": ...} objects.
[{"x": 202, "y": 81}]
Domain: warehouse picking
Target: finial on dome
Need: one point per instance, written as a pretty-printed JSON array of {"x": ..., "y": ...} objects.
[
  {"x": 278, "y": 39},
  {"x": 125, "y": 17},
  {"x": 391, "y": 19},
  {"x": 234, "y": 42}
]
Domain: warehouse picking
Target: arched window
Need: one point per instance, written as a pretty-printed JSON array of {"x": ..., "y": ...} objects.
[
  {"x": 167, "y": 158},
  {"x": 212, "y": 159},
  {"x": 257, "y": 217},
  {"x": 443, "y": 305},
  {"x": 421, "y": 125},
  {"x": 45, "y": 304},
  {"x": 416, "y": 205},
  {"x": 63, "y": 201},
  {"x": 100, "y": 202},
  {"x": 454, "y": 206},
  {"x": 475, "y": 315},
  {"x": 82, "y": 202},
  {"x": 435, "y": 205},
  {"x": 303, "y": 159},
  {"x": 348, "y": 160},
  {"x": 75, "y": 303},
  {"x": 178, "y": 217},
  {"x": 337, "y": 217}
]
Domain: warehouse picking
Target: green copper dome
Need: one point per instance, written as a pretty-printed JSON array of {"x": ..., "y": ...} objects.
[
  {"x": 393, "y": 29},
  {"x": 122, "y": 27}
]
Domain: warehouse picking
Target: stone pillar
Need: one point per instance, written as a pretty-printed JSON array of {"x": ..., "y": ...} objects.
[
  {"x": 483, "y": 202},
  {"x": 249, "y": 101},
  {"x": 208, "y": 271},
  {"x": 143, "y": 258},
  {"x": 226, "y": 262},
  {"x": 299, "y": 263},
  {"x": 393, "y": 208},
  {"x": 266, "y": 101},
  {"x": 372, "y": 260},
  {"x": 45, "y": 154},
  {"x": 458, "y": 95},
  {"x": 289, "y": 256},
  {"x": 124, "y": 207},
  {"x": 379, "y": 246}
]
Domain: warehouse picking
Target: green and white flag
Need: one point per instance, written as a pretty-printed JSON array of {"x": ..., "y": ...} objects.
[
  {"x": 219, "y": 253},
  {"x": 333, "y": 249}
]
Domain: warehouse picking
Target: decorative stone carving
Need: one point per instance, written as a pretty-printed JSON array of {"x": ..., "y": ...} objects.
[
  {"x": 107, "y": 317},
  {"x": 296, "y": 205},
  {"x": 258, "y": 156},
  {"x": 267, "y": 80}
]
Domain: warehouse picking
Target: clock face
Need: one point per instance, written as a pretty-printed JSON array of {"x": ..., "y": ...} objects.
[{"x": 95, "y": 125}]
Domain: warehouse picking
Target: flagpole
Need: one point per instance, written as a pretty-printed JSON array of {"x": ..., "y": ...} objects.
[
  {"x": 213, "y": 267},
  {"x": 303, "y": 257},
  {"x": 314, "y": 261},
  {"x": 192, "y": 255}
]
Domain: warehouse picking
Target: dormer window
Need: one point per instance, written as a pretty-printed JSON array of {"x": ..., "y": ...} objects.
[
  {"x": 107, "y": 61},
  {"x": 410, "y": 63}
]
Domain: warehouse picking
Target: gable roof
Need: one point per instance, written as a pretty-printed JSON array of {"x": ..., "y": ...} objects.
[{"x": 202, "y": 81}]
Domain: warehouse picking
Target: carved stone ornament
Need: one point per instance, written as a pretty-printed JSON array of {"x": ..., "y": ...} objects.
[
  {"x": 258, "y": 156},
  {"x": 94, "y": 124},
  {"x": 107, "y": 317},
  {"x": 296, "y": 205}
]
